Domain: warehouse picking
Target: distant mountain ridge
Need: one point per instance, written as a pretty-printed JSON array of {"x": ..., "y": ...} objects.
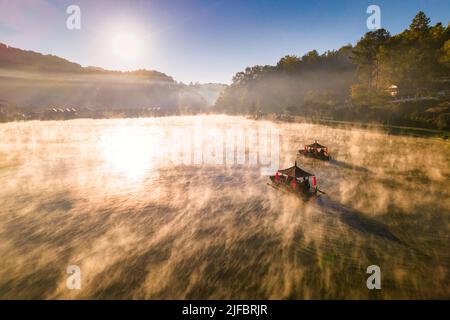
[
  {"x": 24, "y": 60},
  {"x": 38, "y": 82}
]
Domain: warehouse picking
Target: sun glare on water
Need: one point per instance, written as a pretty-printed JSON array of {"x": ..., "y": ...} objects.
[{"x": 130, "y": 152}]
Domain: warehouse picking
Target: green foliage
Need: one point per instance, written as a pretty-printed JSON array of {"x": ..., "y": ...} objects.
[
  {"x": 413, "y": 59},
  {"x": 443, "y": 121},
  {"x": 420, "y": 23},
  {"x": 352, "y": 83},
  {"x": 288, "y": 83},
  {"x": 444, "y": 58},
  {"x": 366, "y": 56}
]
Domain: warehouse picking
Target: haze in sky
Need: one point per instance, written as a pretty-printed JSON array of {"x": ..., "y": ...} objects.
[{"x": 198, "y": 40}]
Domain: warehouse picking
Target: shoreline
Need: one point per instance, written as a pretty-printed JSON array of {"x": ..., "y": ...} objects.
[{"x": 388, "y": 129}]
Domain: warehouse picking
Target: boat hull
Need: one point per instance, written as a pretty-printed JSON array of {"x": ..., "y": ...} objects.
[{"x": 288, "y": 189}]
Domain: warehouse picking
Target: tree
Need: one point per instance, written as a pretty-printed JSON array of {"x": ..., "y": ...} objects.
[
  {"x": 444, "y": 59},
  {"x": 420, "y": 22},
  {"x": 350, "y": 83},
  {"x": 415, "y": 58},
  {"x": 365, "y": 55},
  {"x": 311, "y": 57},
  {"x": 288, "y": 63},
  {"x": 443, "y": 121}
]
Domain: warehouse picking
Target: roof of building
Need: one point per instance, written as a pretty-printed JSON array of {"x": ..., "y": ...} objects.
[
  {"x": 296, "y": 172},
  {"x": 315, "y": 145}
]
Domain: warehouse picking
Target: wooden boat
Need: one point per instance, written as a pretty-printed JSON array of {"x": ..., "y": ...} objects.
[
  {"x": 315, "y": 150},
  {"x": 295, "y": 180}
]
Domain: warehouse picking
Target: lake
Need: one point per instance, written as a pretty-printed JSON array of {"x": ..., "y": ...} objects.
[{"x": 179, "y": 208}]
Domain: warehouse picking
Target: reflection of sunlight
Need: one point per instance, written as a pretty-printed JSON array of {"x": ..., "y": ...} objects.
[{"x": 129, "y": 151}]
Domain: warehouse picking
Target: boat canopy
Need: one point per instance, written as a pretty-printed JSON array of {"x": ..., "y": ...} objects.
[
  {"x": 295, "y": 172},
  {"x": 315, "y": 145}
]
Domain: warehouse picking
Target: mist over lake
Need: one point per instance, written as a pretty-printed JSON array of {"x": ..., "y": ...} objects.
[{"x": 106, "y": 196}]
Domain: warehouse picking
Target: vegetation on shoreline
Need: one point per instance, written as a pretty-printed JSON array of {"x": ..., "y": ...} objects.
[
  {"x": 402, "y": 80},
  {"x": 390, "y": 129}
]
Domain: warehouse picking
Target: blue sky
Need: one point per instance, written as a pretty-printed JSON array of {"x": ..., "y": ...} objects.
[{"x": 199, "y": 40}]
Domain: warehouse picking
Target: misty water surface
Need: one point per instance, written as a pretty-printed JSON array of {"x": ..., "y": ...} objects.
[{"x": 104, "y": 195}]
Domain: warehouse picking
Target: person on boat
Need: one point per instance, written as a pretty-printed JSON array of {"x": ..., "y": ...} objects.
[
  {"x": 304, "y": 186},
  {"x": 307, "y": 184},
  {"x": 294, "y": 184}
]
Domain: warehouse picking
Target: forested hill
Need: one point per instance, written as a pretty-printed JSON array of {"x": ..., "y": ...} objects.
[
  {"x": 33, "y": 86},
  {"x": 292, "y": 83},
  {"x": 403, "y": 79},
  {"x": 30, "y": 61}
]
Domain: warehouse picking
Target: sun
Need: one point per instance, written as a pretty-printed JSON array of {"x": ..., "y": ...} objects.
[{"x": 126, "y": 46}]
